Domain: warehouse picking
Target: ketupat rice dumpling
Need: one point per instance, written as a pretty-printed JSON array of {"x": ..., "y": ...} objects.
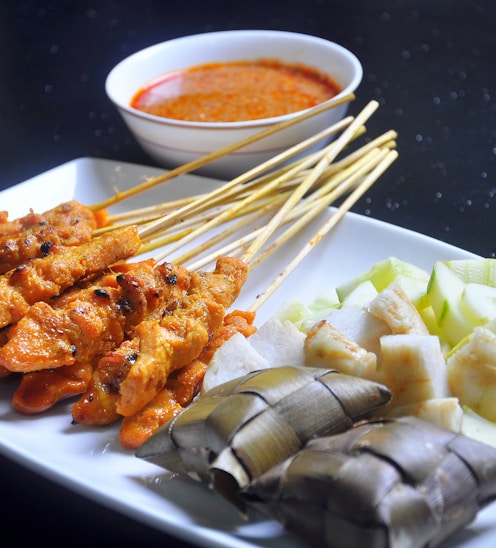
[{"x": 293, "y": 442}]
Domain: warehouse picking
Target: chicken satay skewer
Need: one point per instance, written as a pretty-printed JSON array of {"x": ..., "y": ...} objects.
[
  {"x": 21, "y": 399},
  {"x": 90, "y": 319},
  {"x": 86, "y": 323},
  {"x": 68, "y": 224},
  {"x": 66, "y": 213},
  {"x": 127, "y": 379},
  {"x": 44, "y": 278},
  {"x": 178, "y": 338},
  {"x": 182, "y": 385}
]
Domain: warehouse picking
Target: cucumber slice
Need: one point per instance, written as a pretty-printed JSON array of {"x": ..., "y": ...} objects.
[
  {"x": 415, "y": 289},
  {"x": 479, "y": 301},
  {"x": 429, "y": 318},
  {"x": 325, "y": 299},
  {"x": 445, "y": 290},
  {"x": 381, "y": 274},
  {"x": 481, "y": 271},
  {"x": 363, "y": 293}
]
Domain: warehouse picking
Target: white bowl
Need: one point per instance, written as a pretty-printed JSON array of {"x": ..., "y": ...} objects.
[{"x": 175, "y": 142}]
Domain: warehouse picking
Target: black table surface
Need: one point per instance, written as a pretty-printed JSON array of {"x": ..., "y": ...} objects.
[{"x": 429, "y": 63}]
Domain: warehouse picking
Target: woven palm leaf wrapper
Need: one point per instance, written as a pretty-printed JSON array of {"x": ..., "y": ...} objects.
[
  {"x": 384, "y": 484},
  {"x": 240, "y": 429}
]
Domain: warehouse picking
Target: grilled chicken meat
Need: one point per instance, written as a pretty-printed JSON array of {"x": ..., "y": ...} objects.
[
  {"x": 68, "y": 224},
  {"x": 45, "y": 278},
  {"x": 182, "y": 385},
  {"x": 58, "y": 215},
  {"x": 41, "y": 390},
  {"x": 180, "y": 337},
  {"x": 97, "y": 405},
  {"x": 84, "y": 324}
]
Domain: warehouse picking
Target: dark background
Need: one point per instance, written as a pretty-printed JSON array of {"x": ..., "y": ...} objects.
[{"x": 430, "y": 64}]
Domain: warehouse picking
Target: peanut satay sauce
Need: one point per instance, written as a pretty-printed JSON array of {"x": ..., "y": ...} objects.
[{"x": 235, "y": 91}]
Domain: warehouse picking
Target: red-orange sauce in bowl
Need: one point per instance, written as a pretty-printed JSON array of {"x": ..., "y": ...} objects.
[{"x": 235, "y": 91}]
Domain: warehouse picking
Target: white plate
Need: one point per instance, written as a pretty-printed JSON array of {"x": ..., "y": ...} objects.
[{"x": 92, "y": 462}]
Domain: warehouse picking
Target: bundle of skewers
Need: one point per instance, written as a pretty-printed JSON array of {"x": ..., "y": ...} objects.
[{"x": 124, "y": 312}]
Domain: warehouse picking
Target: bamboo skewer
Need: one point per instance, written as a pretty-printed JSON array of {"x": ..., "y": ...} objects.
[
  {"x": 257, "y": 213},
  {"x": 337, "y": 168},
  {"x": 150, "y": 214},
  {"x": 187, "y": 226},
  {"x": 224, "y": 151},
  {"x": 228, "y": 214},
  {"x": 229, "y": 249},
  {"x": 240, "y": 242},
  {"x": 308, "y": 209},
  {"x": 196, "y": 204},
  {"x": 328, "y": 225},
  {"x": 257, "y": 177},
  {"x": 198, "y": 219},
  {"x": 221, "y": 191},
  {"x": 324, "y": 201},
  {"x": 153, "y": 212},
  {"x": 330, "y": 154},
  {"x": 352, "y": 162},
  {"x": 247, "y": 216}
]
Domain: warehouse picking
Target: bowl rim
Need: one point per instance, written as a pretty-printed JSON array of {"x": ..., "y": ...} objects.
[{"x": 258, "y": 123}]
